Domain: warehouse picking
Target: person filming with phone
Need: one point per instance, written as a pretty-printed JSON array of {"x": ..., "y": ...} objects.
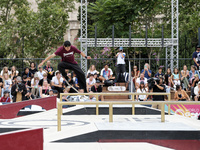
[{"x": 147, "y": 72}]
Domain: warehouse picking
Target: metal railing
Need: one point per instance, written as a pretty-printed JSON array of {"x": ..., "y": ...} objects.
[{"x": 111, "y": 103}]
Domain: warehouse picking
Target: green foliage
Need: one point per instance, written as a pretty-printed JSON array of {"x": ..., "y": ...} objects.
[{"x": 26, "y": 33}]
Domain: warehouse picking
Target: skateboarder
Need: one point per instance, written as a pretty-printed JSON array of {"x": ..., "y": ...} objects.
[{"x": 66, "y": 52}]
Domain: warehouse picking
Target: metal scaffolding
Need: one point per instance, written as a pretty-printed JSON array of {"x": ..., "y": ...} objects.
[{"x": 171, "y": 44}]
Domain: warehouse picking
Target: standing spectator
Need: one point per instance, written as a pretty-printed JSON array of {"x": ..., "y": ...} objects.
[
  {"x": 33, "y": 69},
  {"x": 185, "y": 77},
  {"x": 18, "y": 90},
  {"x": 57, "y": 82},
  {"x": 120, "y": 65},
  {"x": 44, "y": 78},
  {"x": 147, "y": 72},
  {"x": 7, "y": 84},
  {"x": 1, "y": 86},
  {"x": 90, "y": 82},
  {"x": 5, "y": 99},
  {"x": 142, "y": 89},
  {"x": 49, "y": 70},
  {"x": 192, "y": 73},
  {"x": 92, "y": 70},
  {"x": 196, "y": 57},
  {"x": 40, "y": 73},
  {"x": 197, "y": 92},
  {"x": 176, "y": 77},
  {"x": 29, "y": 95},
  {"x": 14, "y": 72},
  {"x": 5, "y": 71},
  {"x": 180, "y": 95},
  {"x": 159, "y": 74},
  {"x": 158, "y": 88},
  {"x": 34, "y": 85},
  {"x": 106, "y": 74},
  {"x": 141, "y": 79},
  {"x": 27, "y": 73},
  {"x": 44, "y": 90}
]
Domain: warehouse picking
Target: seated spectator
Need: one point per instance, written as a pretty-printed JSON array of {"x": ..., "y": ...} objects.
[
  {"x": 26, "y": 72},
  {"x": 192, "y": 73},
  {"x": 140, "y": 79},
  {"x": 5, "y": 71},
  {"x": 147, "y": 72},
  {"x": 34, "y": 86},
  {"x": 40, "y": 73},
  {"x": 18, "y": 90},
  {"x": 32, "y": 69},
  {"x": 66, "y": 97},
  {"x": 26, "y": 81},
  {"x": 14, "y": 72},
  {"x": 57, "y": 82},
  {"x": 159, "y": 74},
  {"x": 51, "y": 92},
  {"x": 185, "y": 77},
  {"x": 14, "y": 80},
  {"x": 96, "y": 76},
  {"x": 55, "y": 93},
  {"x": 49, "y": 70},
  {"x": 135, "y": 74},
  {"x": 75, "y": 81},
  {"x": 1, "y": 86},
  {"x": 106, "y": 74},
  {"x": 29, "y": 95},
  {"x": 168, "y": 80},
  {"x": 197, "y": 92},
  {"x": 97, "y": 88},
  {"x": 44, "y": 78},
  {"x": 90, "y": 82},
  {"x": 5, "y": 98},
  {"x": 91, "y": 97},
  {"x": 195, "y": 81},
  {"x": 7, "y": 84},
  {"x": 92, "y": 70},
  {"x": 44, "y": 90},
  {"x": 181, "y": 95},
  {"x": 158, "y": 88},
  {"x": 142, "y": 89},
  {"x": 176, "y": 77}
]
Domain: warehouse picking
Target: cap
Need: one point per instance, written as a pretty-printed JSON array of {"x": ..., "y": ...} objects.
[
  {"x": 36, "y": 75},
  {"x": 142, "y": 82},
  {"x": 6, "y": 91},
  {"x": 51, "y": 90},
  {"x": 98, "y": 81},
  {"x": 19, "y": 78},
  {"x": 120, "y": 48},
  {"x": 55, "y": 91}
]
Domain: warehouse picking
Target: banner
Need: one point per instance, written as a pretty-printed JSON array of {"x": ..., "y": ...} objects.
[{"x": 192, "y": 111}]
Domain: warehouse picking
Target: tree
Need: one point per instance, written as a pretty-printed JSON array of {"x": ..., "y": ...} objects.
[{"x": 37, "y": 33}]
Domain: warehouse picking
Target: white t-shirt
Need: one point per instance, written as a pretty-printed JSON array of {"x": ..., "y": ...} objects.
[
  {"x": 107, "y": 73},
  {"x": 90, "y": 82},
  {"x": 36, "y": 83},
  {"x": 142, "y": 97},
  {"x": 55, "y": 80},
  {"x": 91, "y": 72},
  {"x": 120, "y": 59},
  {"x": 40, "y": 74},
  {"x": 138, "y": 80},
  {"x": 7, "y": 83},
  {"x": 196, "y": 90},
  {"x": 9, "y": 72}
]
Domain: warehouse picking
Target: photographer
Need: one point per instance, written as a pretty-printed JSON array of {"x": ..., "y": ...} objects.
[
  {"x": 120, "y": 65},
  {"x": 158, "y": 87},
  {"x": 18, "y": 90}
]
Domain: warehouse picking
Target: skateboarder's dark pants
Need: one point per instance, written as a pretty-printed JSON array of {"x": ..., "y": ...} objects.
[{"x": 78, "y": 71}]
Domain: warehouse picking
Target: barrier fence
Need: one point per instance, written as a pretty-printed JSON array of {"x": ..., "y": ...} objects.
[{"x": 97, "y": 103}]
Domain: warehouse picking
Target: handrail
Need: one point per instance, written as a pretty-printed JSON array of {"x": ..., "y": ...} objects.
[{"x": 97, "y": 103}]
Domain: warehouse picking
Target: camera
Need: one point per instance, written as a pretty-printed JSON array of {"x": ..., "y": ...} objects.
[
  {"x": 151, "y": 82},
  {"x": 19, "y": 87}
]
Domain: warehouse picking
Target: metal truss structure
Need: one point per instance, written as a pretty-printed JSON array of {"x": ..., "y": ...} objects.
[{"x": 171, "y": 44}]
